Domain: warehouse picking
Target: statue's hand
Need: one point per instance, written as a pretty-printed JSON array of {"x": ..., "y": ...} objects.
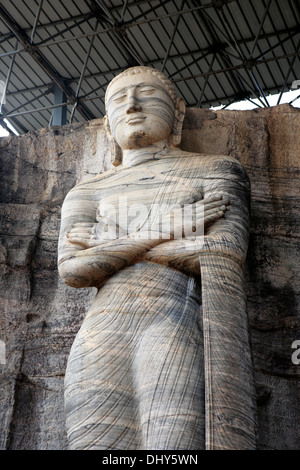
[
  {"x": 185, "y": 220},
  {"x": 198, "y": 215},
  {"x": 88, "y": 235}
]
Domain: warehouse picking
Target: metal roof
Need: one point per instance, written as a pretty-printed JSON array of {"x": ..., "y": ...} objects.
[{"x": 56, "y": 52}]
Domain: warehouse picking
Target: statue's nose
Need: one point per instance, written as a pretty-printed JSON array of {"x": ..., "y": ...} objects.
[
  {"x": 134, "y": 109},
  {"x": 133, "y": 105}
]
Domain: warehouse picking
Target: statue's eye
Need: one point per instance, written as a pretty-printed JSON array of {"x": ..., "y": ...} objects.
[
  {"x": 119, "y": 99},
  {"x": 147, "y": 91}
]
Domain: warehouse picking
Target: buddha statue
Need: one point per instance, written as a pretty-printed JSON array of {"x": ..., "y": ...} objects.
[{"x": 162, "y": 359}]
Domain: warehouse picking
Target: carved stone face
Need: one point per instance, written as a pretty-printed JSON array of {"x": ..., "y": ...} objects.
[{"x": 140, "y": 111}]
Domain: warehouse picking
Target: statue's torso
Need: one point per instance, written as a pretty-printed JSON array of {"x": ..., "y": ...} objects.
[
  {"x": 128, "y": 195},
  {"x": 144, "y": 326},
  {"x": 144, "y": 292},
  {"x": 133, "y": 198}
]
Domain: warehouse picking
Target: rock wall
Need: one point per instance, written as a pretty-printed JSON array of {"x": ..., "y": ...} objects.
[{"x": 40, "y": 315}]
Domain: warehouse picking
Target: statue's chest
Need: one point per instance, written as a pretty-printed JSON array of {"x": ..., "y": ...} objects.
[
  {"x": 149, "y": 185},
  {"x": 143, "y": 194}
]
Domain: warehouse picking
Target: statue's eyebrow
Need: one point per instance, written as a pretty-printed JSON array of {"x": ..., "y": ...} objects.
[
  {"x": 119, "y": 92},
  {"x": 124, "y": 89},
  {"x": 138, "y": 85}
]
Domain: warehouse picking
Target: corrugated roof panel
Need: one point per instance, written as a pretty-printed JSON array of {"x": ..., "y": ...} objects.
[
  {"x": 144, "y": 36},
  {"x": 20, "y": 11}
]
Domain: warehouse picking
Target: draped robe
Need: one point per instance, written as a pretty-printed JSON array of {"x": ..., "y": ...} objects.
[{"x": 162, "y": 359}]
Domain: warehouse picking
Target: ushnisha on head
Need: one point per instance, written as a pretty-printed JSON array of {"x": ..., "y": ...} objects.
[{"x": 142, "y": 109}]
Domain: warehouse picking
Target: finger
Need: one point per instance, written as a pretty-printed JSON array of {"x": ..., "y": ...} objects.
[
  {"x": 85, "y": 230},
  {"x": 79, "y": 236},
  {"x": 213, "y": 217},
  {"x": 212, "y": 210},
  {"x": 190, "y": 200},
  {"x": 207, "y": 200},
  {"x": 84, "y": 236},
  {"x": 79, "y": 241},
  {"x": 212, "y": 205},
  {"x": 214, "y": 201},
  {"x": 82, "y": 230},
  {"x": 86, "y": 242},
  {"x": 83, "y": 224}
]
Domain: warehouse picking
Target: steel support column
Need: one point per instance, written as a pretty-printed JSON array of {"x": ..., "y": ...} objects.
[
  {"x": 12, "y": 60},
  {"x": 59, "y": 116}
]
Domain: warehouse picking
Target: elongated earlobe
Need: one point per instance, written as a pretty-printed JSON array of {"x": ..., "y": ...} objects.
[
  {"x": 115, "y": 149},
  {"x": 178, "y": 122},
  {"x": 116, "y": 153}
]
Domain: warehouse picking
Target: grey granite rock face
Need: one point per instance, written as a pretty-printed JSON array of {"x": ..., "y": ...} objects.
[{"x": 40, "y": 315}]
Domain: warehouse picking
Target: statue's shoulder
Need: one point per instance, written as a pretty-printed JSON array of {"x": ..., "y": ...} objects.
[
  {"x": 211, "y": 159},
  {"x": 226, "y": 164},
  {"x": 93, "y": 183},
  {"x": 218, "y": 168},
  {"x": 216, "y": 163}
]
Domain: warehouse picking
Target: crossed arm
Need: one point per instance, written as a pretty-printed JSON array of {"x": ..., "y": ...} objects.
[
  {"x": 227, "y": 235},
  {"x": 87, "y": 257}
]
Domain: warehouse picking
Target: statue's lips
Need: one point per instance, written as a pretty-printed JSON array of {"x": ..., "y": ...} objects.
[{"x": 136, "y": 119}]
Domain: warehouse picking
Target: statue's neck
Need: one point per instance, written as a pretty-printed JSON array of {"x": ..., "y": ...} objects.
[{"x": 153, "y": 152}]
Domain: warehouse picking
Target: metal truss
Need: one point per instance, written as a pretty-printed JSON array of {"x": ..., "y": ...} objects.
[
  {"x": 26, "y": 43},
  {"x": 228, "y": 55}
]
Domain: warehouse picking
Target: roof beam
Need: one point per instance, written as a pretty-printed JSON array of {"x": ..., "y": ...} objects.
[
  {"x": 85, "y": 17},
  {"x": 223, "y": 58},
  {"x": 67, "y": 29},
  {"x": 260, "y": 28},
  {"x": 219, "y": 47},
  {"x": 83, "y": 71},
  {"x": 37, "y": 17},
  {"x": 29, "y": 90},
  {"x": 291, "y": 34},
  {"x": 15, "y": 122},
  {"x": 206, "y": 81},
  {"x": 151, "y": 10},
  {"x": 37, "y": 110},
  {"x": 53, "y": 36},
  {"x": 238, "y": 67},
  {"x": 3, "y": 97},
  {"x": 46, "y": 43},
  {"x": 22, "y": 105},
  {"x": 172, "y": 37},
  {"x": 121, "y": 26},
  {"x": 230, "y": 38},
  {"x": 42, "y": 61},
  {"x": 5, "y": 126},
  {"x": 120, "y": 33},
  {"x": 288, "y": 74},
  {"x": 232, "y": 99},
  {"x": 204, "y": 52},
  {"x": 123, "y": 10},
  {"x": 131, "y": 4}
]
